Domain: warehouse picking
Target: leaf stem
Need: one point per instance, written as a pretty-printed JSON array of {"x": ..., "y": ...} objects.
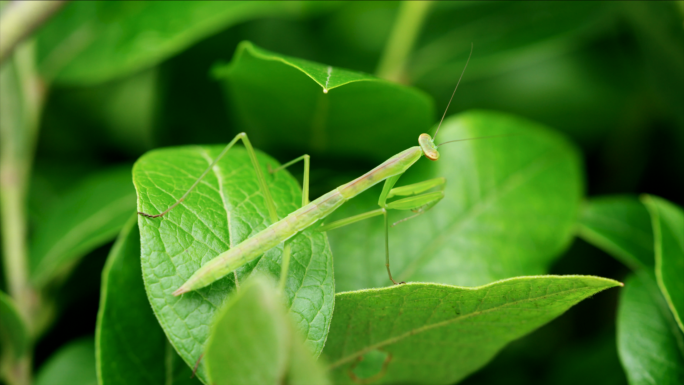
[
  {"x": 402, "y": 38},
  {"x": 20, "y": 18}
]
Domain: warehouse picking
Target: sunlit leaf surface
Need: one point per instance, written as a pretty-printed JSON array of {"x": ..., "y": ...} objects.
[
  {"x": 439, "y": 334},
  {"x": 226, "y": 208}
]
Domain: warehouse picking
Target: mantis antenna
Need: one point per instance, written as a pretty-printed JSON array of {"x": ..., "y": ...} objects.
[
  {"x": 454, "y": 93},
  {"x": 479, "y": 137}
]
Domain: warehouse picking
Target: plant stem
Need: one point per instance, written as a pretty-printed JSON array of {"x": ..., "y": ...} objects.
[
  {"x": 402, "y": 38},
  {"x": 19, "y": 19},
  {"x": 21, "y": 98}
]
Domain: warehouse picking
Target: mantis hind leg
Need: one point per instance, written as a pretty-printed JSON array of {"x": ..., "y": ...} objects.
[
  {"x": 305, "y": 182},
  {"x": 252, "y": 156}
]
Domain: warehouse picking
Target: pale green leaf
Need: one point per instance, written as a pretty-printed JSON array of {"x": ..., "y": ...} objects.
[
  {"x": 253, "y": 341},
  {"x": 621, "y": 226},
  {"x": 668, "y": 229},
  {"x": 73, "y": 364},
  {"x": 650, "y": 345},
  {"x": 226, "y": 208},
  {"x": 87, "y": 217},
  {"x": 130, "y": 344},
  {"x": 510, "y": 208},
  {"x": 439, "y": 334},
  {"x": 358, "y": 112}
]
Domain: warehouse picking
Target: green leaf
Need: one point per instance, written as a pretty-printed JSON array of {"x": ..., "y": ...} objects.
[
  {"x": 73, "y": 364},
  {"x": 650, "y": 345},
  {"x": 89, "y": 216},
  {"x": 92, "y": 42},
  {"x": 131, "y": 346},
  {"x": 439, "y": 334},
  {"x": 620, "y": 225},
  {"x": 226, "y": 208},
  {"x": 13, "y": 333},
  {"x": 509, "y": 209},
  {"x": 668, "y": 229},
  {"x": 359, "y": 115},
  {"x": 253, "y": 342}
]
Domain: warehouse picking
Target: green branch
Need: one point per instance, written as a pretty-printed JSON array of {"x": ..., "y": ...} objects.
[
  {"x": 19, "y": 19},
  {"x": 21, "y": 99},
  {"x": 402, "y": 38}
]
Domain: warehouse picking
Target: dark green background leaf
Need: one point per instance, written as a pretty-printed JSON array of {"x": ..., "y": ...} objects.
[
  {"x": 621, "y": 226},
  {"x": 650, "y": 344},
  {"x": 131, "y": 346},
  {"x": 509, "y": 209},
  {"x": 87, "y": 217},
  {"x": 226, "y": 208},
  {"x": 668, "y": 228},
  {"x": 279, "y": 101},
  {"x": 73, "y": 364},
  {"x": 439, "y": 334},
  {"x": 13, "y": 334},
  {"x": 92, "y": 42}
]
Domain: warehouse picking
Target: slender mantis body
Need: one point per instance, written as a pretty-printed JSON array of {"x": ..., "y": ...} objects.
[{"x": 417, "y": 197}]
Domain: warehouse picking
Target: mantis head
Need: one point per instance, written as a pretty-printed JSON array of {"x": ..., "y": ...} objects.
[{"x": 428, "y": 146}]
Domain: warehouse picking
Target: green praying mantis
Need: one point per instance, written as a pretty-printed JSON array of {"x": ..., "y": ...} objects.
[{"x": 418, "y": 198}]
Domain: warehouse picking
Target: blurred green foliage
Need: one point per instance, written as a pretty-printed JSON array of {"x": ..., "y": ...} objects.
[{"x": 126, "y": 77}]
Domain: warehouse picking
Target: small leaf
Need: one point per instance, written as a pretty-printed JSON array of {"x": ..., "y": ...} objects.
[
  {"x": 89, "y": 216},
  {"x": 439, "y": 334},
  {"x": 131, "y": 346},
  {"x": 621, "y": 226},
  {"x": 13, "y": 333},
  {"x": 650, "y": 345},
  {"x": 92, "y": 42},
  {"x": 253, "y": 341},
  {"x": 320, "y": 108},
  {"x": 249, "y": 341},
  {"x": 510, "y": 208},
  {"x": 73, "y": 364},
  {"x": 668, "y": 229},
  {"x": 224, "y": 209}
]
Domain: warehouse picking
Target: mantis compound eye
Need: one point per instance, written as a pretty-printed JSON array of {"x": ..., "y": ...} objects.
[{"x": 428, "y": 147}]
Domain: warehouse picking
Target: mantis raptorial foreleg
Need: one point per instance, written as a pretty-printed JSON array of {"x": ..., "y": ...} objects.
[{"x": 416, "y": 202}]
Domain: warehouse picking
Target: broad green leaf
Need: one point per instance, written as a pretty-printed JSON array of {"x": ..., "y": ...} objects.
[
  {"x": 529, "y": 58},
  {"x": 92, "y": 42},
  {"x": 89, "y": 216},
  {"x": 73, "y": 364},
  {"x": 253, "y": 342},
  {"x": 131, "y": 346},
  {"x": 226, "y": 208},
  {"x": 320, "y": 108},
  {"x": 621, "y": 226},
  {"x": 13, "y": 333},
  {"x": 668, "y": 229},
  {"x": 650, "y": 345},
  {"x": 509, "y": 209},
  {"x": 439, "y": 334}
]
